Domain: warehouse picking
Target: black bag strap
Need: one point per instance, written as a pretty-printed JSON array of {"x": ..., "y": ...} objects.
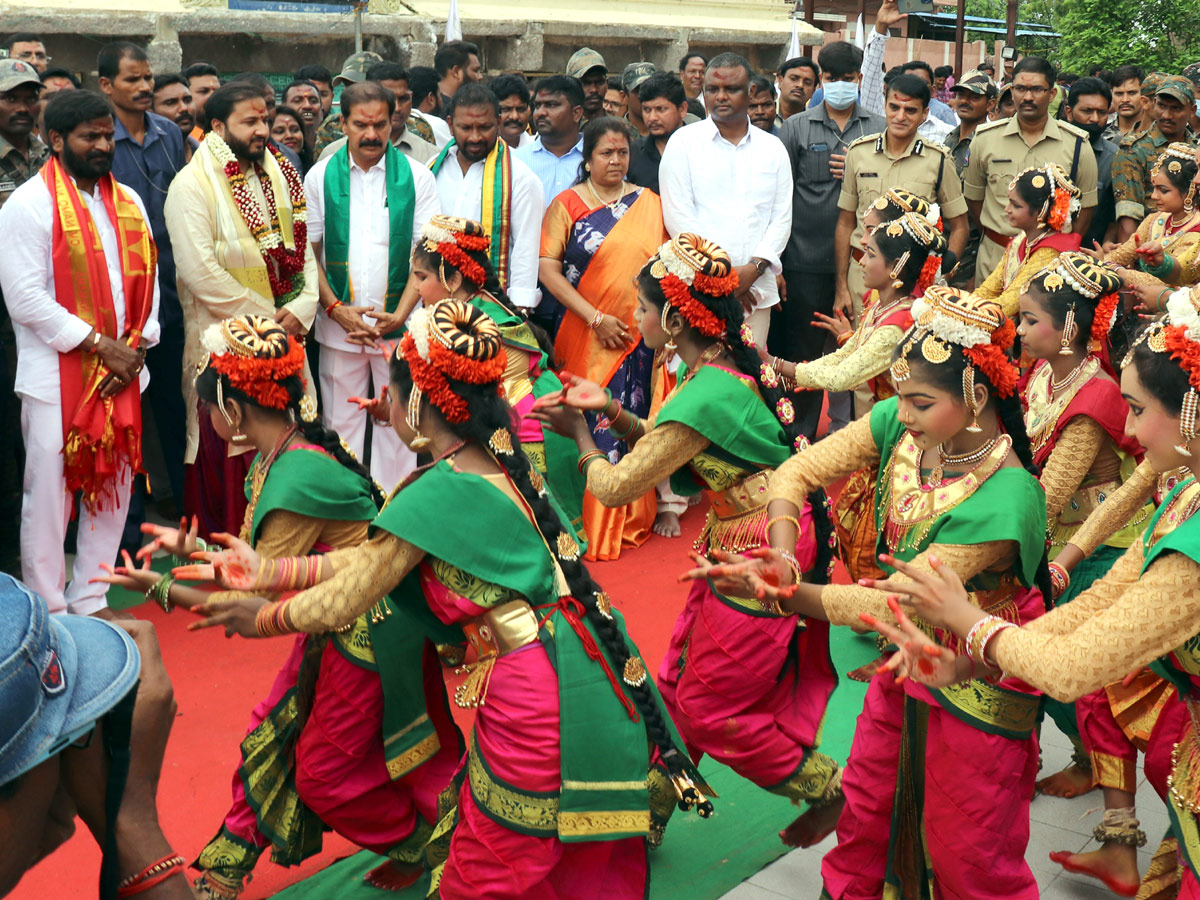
[
  {"x": 1075, "y": 161},
  {"x": 937, "y": 188}
]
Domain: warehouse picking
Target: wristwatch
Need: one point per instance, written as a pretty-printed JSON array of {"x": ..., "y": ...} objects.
[{"x": 761, "y": 264}]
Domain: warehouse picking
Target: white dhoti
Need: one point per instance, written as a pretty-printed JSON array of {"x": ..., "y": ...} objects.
[
  {"x": 345, "y": 375},
  {"x": 45, "y": 512}
]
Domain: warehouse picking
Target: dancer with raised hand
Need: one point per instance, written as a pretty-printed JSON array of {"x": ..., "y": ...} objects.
[
  {"x": 1143, "y": 612},
  {"x": 745, "y": 685},
  {"x": 555, "y": 799},
  {"x": 345, "y": 738},
  {"x": 1076, "y": 422},
  {"x": 1042, "y": 204},
  {"x": 930, "y": 773}
]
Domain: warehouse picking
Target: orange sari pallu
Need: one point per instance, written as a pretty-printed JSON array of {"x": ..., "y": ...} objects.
[
  {"x": 602, "y": 249},
  {"x": 101, "y": 435}
]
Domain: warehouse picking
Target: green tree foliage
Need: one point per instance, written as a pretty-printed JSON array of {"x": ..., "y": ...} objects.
[{"x": 1160, "y": 35}]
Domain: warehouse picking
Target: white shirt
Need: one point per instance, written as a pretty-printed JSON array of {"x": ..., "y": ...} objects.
[
  {"x": 462, "y": 195},
  {"x": 738, "y": 196},
  {"x": 369, "y": 237},
  {"x": 441, "y": 131},
  {"x": 43, "y": 327}
]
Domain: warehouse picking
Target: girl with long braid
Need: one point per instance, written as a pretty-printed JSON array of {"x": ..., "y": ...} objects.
[
  {"x": 314, "y": 755},
  {"x": 744, "y": 684},
  {"x": 1042, "y": 203},
  {"x": 1076, "y": 423},
  {"x": 555, "y": 799},
  {"x": 931, "y": 773},
  {"x": 1144, "y": 611}
]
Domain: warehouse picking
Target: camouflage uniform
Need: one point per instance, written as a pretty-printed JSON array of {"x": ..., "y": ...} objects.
[
  {"x": 15, "y": 169},
  {"x": 1131, "y": 172}
]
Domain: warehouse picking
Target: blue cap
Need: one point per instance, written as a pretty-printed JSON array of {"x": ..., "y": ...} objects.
[{"x": 59, "y": 675}]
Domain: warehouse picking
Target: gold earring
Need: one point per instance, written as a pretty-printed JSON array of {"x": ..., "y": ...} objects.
[
  {"x": 969, "y": 398},
  {"x": 1187, "y": 421},
  {"x": 442, "y": 276},
  {"x": 241, "y": 438},
  {"x": 412, "y": 418},
  {"x": 898, "y": 268},
  {"x": 1068, "y": 333},
  {"x": 670, "y": 345}
]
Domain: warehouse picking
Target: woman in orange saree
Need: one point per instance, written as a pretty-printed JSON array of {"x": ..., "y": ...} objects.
[{"x": 596, "y": 236}]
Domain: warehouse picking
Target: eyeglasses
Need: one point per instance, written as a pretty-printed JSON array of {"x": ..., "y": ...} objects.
[
  {"x": 31, "y": 55},
  {"x": 1036, "y": 90}
]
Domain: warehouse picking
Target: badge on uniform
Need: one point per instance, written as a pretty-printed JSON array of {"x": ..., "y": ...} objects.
[{"x": 54, "y": 679}]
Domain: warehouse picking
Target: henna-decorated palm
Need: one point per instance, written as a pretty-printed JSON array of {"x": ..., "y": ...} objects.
[
  {"x": 762, "y": 573},
  {"x": 235, "y": 568},
  {"x": 577, "y": 393},
  {"x": 919, "y": 657},
  {"x": 179, "y": 541},
  {"x": 133, "y": 578},
  {"x": 938, "y": 597}
]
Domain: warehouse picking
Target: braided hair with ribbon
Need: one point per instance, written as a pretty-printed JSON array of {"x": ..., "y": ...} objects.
[
  {"x": 694, "y": 277},
  {"x": 255, "y": 361},
  {"x": 452, "y": 360}
]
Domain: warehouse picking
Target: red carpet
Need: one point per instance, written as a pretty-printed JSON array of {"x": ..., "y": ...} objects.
[{"x": 218, "y": 681}]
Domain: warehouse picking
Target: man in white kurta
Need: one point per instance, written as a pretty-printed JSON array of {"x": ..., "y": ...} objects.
[
  {"x": 351, "y": 367},
  {"x": 45, "y": 330}
]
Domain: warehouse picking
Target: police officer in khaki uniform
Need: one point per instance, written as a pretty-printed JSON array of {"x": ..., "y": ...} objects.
[
  {"x": 1003, "y": 149},
  {"x": 895, "y": 158}
]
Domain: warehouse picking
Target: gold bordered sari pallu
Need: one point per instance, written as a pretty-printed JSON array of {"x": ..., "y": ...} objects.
[{"x": 603, "y": 791}]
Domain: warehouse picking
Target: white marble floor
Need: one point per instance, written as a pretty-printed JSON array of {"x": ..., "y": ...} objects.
[{"x": 1056, "y": 825}]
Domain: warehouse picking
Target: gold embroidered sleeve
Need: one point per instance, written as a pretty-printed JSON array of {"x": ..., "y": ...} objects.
[
  {"x": 1116, "y": 512},
  {"x": 848, "y": 367},
  {"x": 829, "y": 459},
  {"x": 1186, "y": 252},
  {"x": 993, "y": 285},
  {"x": 1070, "y": 461},
  {"x": 284, "y": 533},
  {"x": 362, "y": 575},
  {"x": 1119, "y": 624},
  {"x": 1010, "y": 297},
  {"x": 844, "y": 602},
  {"x": 661, "y": 452}
]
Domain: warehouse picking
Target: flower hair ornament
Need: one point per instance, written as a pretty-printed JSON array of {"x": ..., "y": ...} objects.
[
  {"x": 946, "y": 317},
  {"x": 449, "y": 340},
  {"x": 926, "y": 232},
  {"x": 898, "y": 201},
  {"x": 255, "y": 354},
  {"x": 1063, "y": 201},
  {"x": 1178, "y": 335},
  {"x": 450, "y": 237},
  {"x": 1174, "y": 158},
  {"x": 687, "y": 266},
  {"x": 1091, "y": 281}
]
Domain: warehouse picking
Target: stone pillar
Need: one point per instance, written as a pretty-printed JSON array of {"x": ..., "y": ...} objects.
[
  {"x": 527, "y": 52},
  {"x": 423, "y": 44},
  {"x": 670, "y": 54},
  {"x": 165, "y": 53}
]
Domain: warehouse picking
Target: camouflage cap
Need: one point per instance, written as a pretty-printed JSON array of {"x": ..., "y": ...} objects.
[
  {"x": 354, "y": 69},
  {"x": 1192, "y": 73},
  {"x": 14, "y": 72},
  {"x": 1150, "y": 84},
  {"x": 977, "y": 83},
  {"x": 635, "y": 73},
  {"x": 1177, "y": 87},
  {"x": 583, "y": 61}
]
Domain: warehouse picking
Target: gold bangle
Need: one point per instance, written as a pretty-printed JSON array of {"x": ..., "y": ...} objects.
[{"x": 795, "y": 521}]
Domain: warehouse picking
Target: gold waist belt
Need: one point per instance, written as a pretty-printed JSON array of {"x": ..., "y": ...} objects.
[
  {"x": 737, "y": 516},
  {"x": 1184, "y": 780},
  {"x": 497, "y": 632}
]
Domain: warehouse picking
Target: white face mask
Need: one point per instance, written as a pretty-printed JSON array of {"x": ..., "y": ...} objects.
[{"x": 840, "y": 94}]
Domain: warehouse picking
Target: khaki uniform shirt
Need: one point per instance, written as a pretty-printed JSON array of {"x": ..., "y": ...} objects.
[
  {"x": 924, "y": 168},
  {"x": 15, "y": 169},
  {"x": 999, "y": 153}
]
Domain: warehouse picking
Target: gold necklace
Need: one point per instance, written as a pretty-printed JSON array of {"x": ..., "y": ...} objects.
[
  {"x": 707, "y": 356},
  {"x": 1056, "y": 386},
  {"x": 596, "y": 194},
  {"x": 958, "y": 463},
  {"x": 259, "y": 479},
  {"x": 1188, "y": 216}
]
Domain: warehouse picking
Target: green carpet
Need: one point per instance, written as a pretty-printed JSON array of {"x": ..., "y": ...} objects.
[{"x": 700, "y": 859}]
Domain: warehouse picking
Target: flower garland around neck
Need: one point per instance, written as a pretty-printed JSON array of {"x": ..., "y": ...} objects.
[{"x": 285, "y": 268}]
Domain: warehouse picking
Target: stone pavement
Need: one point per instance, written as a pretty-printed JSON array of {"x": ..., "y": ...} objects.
[{"x": 1056, "y": 824}]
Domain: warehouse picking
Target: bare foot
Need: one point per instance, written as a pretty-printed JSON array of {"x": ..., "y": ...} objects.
[
  {"x": 667, "y": 525},
  {"x": 1114, "y": 864},
  {"x": 813, "y": 825},
  {"x": 394, "y": 876},
  {"x": 867, "y": 672},
  {"x": 1070, "y": 782}
]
